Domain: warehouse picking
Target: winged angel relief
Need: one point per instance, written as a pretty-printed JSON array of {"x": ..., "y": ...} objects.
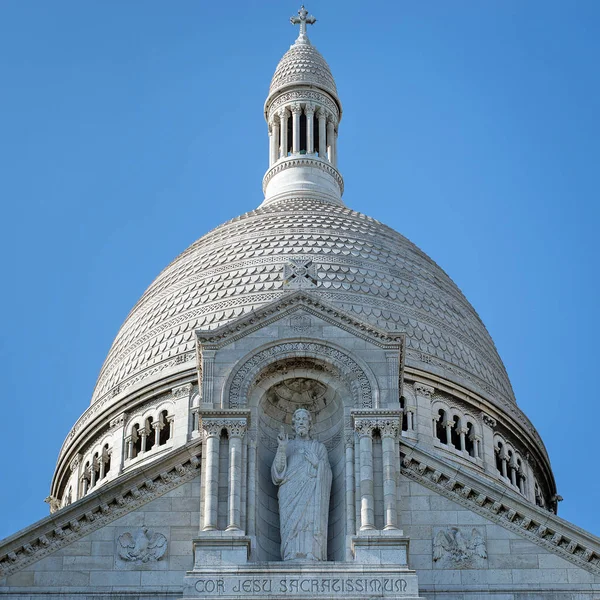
[
  {"x": 452, "y": 548},
  {"x": 142, "y": 547}
]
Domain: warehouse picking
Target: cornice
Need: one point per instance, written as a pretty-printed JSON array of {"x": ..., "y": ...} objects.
[
  {"x": 502, "y": 507},
  {"x": 117, "y": 498},
  {"x": 302, "y": 161},
  {"x": 288, "y": 304}
]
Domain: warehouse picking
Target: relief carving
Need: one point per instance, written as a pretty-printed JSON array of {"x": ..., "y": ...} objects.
[
  {"x": 454, "y": 549},
  {"x": 142, "y": 547}
]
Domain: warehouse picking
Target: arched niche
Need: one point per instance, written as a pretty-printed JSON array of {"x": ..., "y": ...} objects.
[{"x": 277, "y": 391}]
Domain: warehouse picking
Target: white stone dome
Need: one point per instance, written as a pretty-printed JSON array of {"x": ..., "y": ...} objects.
[{"x": 359, "y": 264}]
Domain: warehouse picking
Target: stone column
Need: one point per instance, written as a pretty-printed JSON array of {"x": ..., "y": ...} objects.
[
  {"x": 129, "y": 446},
  {"x": 389, "y": 429},
  {"x": 423, "y": 394},
  {"x": 283, "y": 119},
  {"x": 330, "y": 140},
  {"x": 251, "y": 492},
  {"x": 448, "y": 424},
  {"x": 364, "y": 428},
  {"x": 274, "y": 141},
  {"x": 143, "y": 434},
  {"x": 212, "y": 430},
  {"x": 463, "y": 447},
  {"x": 296, "y": 112},
  {"x": 350, "y": 501},
  {"x": 236, "y": 428},
  {"x": 309, "y": 111},
  {"x": 322, "y": 116}
]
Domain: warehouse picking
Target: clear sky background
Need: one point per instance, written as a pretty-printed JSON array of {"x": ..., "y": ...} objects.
[{"x": 129, "y": 128}]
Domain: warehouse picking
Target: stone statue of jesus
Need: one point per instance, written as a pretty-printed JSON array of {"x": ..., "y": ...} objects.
[{"x": 302, "y": 472}]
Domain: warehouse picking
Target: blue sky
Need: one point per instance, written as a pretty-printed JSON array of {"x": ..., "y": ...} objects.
[{"x": 129, "y": 128}]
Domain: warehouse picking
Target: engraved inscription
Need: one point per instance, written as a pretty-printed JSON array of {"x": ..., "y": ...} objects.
[{"x": 309, "y": 586}]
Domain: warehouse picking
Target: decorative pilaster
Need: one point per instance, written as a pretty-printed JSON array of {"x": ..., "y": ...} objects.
[
  {"x": 75, "y": 467},
  {"x": 236, "y": 429},
  {"x": 393, "y": 369},
  {"x": 488, "y": 424},
  {"x": 423, "y": 394},
  {"x": 117, "y": 430}
]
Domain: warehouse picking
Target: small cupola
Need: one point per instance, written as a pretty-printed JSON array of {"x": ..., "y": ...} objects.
[{"x": 303, "y": 112}]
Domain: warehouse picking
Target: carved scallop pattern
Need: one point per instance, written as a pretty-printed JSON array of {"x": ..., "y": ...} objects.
[
  {"x": 303, "y": 64},
  {"x": 362, "y": 266}
]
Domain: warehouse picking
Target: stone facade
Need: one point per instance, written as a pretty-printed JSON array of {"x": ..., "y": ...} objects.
[{"x": 417, "y": 476}]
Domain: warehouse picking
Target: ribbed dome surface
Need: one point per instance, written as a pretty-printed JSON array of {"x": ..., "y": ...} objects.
[
  {"x": 362, "y": 266},
  {"x": 303, "y": 64}
]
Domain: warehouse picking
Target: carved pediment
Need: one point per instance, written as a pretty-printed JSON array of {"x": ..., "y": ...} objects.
[{"x": 298, "y": 308}]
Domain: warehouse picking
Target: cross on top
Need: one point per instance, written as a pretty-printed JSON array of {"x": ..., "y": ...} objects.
[{"x": 303, "y": 19}]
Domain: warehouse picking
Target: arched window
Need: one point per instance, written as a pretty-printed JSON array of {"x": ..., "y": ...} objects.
[
  {"x": 106, "y": 454},
  {"x": 165, "y": 428},
  {"x": 440, "y": 427},
  {"x": 303, "y": 144},
  {"x": 499, "y": 454},
  {"x": 404, "y": 416},
  {"x": 470, "y": 440},
  {"x": 150, "y": 434},
  {"x": 454, "y": 432},
  {"x": 136, "y": 438}
]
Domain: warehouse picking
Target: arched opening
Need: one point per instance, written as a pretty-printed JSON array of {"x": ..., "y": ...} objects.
[
  {"x": 165, "y": 428},
  {"x": 303, "y": 141},
  {"x": 470, "y": 440},
  {"x": 106, "y": 454},
  {"x": 150, "y": 433},
  {"x": 136, "y": 438},
  {"x": 440, "y": 427},
  {"x": 455, "y": 432},
  {"x": 316, "y": 133},
  {"x": 284, "y": 387},
  {"x": 290, "y": 139},
  {"x": 499, "y": 453}
]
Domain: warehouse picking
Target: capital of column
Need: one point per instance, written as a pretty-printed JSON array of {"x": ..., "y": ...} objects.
[
  {"x": 236, "y": 428},
  {"x": 388, "y": 428},
  {"x": 322, "y": 113},
  {"x": 423, "y": 390},
  {"x": 212, "y": 427},
  {"x": 309, "y": 109},
  {"x": 282, "y": 113},
  {"x": 296, "y": 108},
  {"x": 364, "y": 427}
]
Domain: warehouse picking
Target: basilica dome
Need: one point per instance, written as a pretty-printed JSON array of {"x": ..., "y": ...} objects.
[
  {"x": 356, "y": 263},
  {"x": 452, "y": 387}
]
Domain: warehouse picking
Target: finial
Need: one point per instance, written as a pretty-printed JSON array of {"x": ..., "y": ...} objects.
[{"x": 303, "y": 19}]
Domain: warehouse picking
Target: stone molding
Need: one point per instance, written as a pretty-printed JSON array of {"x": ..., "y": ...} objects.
[
  {"x": 237, "y": 387},
  {"x": 303, "y": 161},
  {"x": 504, "y": 508},
  {"x": 389, "y": 422},
  {"x": 99, "y": 508},
  {"x": 284, "y": 307},
  {"x": 302, "y": 95}
]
